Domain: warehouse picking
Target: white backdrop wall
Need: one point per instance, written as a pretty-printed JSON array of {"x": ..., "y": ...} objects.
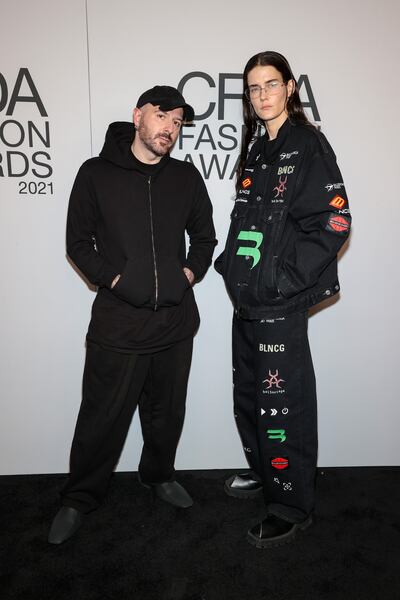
[{"x": 84, "y": 64}]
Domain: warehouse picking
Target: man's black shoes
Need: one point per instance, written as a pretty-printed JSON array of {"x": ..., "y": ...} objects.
[
  {"x": 66, "y": 522},
  {"x": 274, "y": 531},
  {"x": 243, "y": 485},
  {"x": 171, "y": 492}
]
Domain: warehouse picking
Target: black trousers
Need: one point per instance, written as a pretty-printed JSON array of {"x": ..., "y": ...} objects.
[
  {"x": 113, "y": 385},
  {"x": 276, "y": 410}
]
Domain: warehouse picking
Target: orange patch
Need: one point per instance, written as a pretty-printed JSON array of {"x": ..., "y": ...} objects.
[
  {"x": 246, "y": 182},
  {"x": 338, "y": 202}
]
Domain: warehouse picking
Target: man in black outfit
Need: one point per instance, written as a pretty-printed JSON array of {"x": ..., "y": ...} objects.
[{"x": 128, "y": 214}]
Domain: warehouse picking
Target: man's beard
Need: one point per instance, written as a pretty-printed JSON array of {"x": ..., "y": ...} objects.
[{"x": 151, "y": 142}]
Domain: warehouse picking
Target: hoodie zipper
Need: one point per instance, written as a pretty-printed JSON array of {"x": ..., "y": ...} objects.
[{"x": 153, "y": 247}]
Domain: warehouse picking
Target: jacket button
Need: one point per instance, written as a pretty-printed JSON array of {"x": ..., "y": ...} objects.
[
  {"x": 247, "y": 257},
  {"x": 328, "y": 292},
  {"x": 258, "y": 198},
  {"x": 263, "y": 166},
  {"x": 253, "y": 227}
]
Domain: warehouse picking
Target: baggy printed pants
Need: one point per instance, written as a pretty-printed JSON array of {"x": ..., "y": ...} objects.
[
  {"x": 113, "y": 385},
  {"x": 275, "y": 407}
]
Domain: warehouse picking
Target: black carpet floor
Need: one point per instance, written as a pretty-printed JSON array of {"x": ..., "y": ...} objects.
[{"x": 134, "y": 548}]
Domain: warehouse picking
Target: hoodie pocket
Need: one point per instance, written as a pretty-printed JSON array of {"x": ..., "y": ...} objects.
[
  {"x": 136, "y": 284},
  {"x": 172, "y": 281}
]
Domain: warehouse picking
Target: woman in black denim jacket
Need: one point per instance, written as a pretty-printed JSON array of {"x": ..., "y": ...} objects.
[{"x": 290, "y": 218}]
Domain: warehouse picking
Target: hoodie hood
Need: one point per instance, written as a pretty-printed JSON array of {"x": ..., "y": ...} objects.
[{"x": 117, "y": 146}]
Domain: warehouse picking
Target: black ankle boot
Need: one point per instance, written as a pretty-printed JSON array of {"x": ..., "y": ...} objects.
[
  {"x": 274, "y": 531},
  {"x": 243, "y": 485}
]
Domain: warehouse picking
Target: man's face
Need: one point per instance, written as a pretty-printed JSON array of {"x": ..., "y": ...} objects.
[{"x": 156, "y": 129}]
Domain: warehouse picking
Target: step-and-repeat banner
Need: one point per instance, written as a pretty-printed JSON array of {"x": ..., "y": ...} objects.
[{"x": 67, "y": 70}]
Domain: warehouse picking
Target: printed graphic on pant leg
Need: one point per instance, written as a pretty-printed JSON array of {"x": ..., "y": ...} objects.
[
  {"x": 271, "y": 321},
  {"x": 271, "y": 347},
  {"x": 277, "y": 434},
  {"x": 273, "y": 412},
  {"x": 286, "y": 417},
  {"x": 280, "y": 462},
  {"x": 285, "y": 486},
  {"x": 273, "y": 383}
]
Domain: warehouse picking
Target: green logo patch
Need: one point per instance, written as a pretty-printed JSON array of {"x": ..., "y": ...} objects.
[{"x": 253, "y": 251}]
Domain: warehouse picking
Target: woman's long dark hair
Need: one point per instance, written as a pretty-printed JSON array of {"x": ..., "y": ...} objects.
[{"x": 251, "y": 121}]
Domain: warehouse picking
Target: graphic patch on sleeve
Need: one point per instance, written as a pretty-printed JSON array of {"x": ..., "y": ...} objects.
[
  {"x": 337, "y": 202},
  {"x": 338, "y": 224},
  {"x": 246, "y": 182}
]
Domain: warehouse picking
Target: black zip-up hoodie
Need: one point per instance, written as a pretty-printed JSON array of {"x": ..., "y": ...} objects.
[
  {"x": 290, "y": 218},
  {"x": 129, "y": 218}
]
